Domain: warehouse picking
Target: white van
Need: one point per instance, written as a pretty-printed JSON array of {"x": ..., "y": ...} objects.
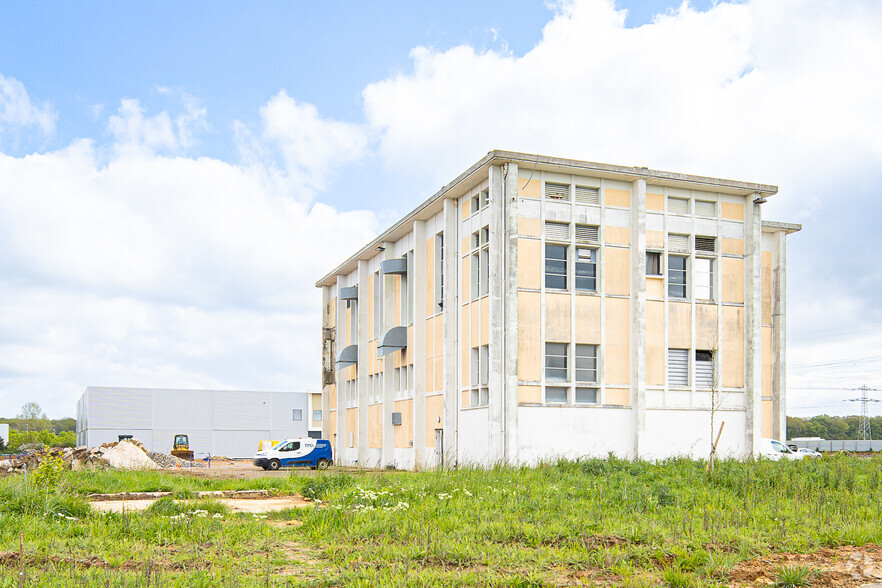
[
  {"x": 314, "y": 453},
  {"x": 775, "y": 450}
]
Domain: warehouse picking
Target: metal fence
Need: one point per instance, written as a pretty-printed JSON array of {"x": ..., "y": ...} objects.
[{"x": 839, "y": 445}]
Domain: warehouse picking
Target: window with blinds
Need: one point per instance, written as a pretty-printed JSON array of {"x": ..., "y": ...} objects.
[
  {"x": 586, "y": 195},
  {"x": 678, "y": 242},
  {"x": 678, "y": 205},
  {"x": 705, "y": 208},
  {"x": 586, "y": 363},
  {"x": 557, "y": 191},
  {"x": 678, "y": 367},
  {"x": 587, "y": 234},
  {"x": 704, "y": 368},
  {"x": 556, "y": 362},
  {"x": 707, "y": 244},
  {"x": 557, "y": 231}
]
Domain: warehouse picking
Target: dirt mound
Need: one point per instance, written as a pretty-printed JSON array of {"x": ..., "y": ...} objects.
[
  {"x": 129, "y": 456},
  {"x": 838, "y": 567}
]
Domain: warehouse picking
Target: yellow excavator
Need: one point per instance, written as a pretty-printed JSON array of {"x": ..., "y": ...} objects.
[{"x": 181, "y": 448}]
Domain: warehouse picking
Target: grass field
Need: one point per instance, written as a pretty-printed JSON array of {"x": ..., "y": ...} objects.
[{"x": 593, "y": 522}]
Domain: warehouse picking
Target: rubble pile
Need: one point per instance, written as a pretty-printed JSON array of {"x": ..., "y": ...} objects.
[{"x": 128, "y": 455}]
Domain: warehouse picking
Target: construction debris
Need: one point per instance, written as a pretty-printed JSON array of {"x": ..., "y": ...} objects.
[{"x": 129, "y": 454}]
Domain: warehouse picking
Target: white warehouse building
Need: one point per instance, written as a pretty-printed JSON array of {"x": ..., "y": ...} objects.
[{"x": 229, "y": 423}]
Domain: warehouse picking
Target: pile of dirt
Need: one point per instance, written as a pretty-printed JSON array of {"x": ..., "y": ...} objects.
[
  {"x": 846, "y": 566},
  {"x": 76, "y": 458},
  {"x": 126, "y": 455}
]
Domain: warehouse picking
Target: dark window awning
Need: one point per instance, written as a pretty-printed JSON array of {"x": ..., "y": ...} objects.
[
  {"x": 394, "y": 266},
  {"x": 350, "y": 293},
  {"x": 392, "y": 340},
  {"x": 348, "y": 356}
]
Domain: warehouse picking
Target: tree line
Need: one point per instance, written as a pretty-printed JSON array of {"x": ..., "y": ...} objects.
[
  {"x": 831, "y": 427},
  {"x": 31, "y": 428}
]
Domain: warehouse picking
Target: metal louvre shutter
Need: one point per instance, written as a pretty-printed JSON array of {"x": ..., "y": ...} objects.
[
  {"x": 678, "y": 205},
  {"x": 705, "y": 244},
  {"x": 678, "y": 367},
  {"x": 704, "y": 369},
  {"x": 557, "y": 231},
  {"x": 586, "y": 195},
  {"x": 678, "y": 242},
  {"x": 557, "y": 191},
  {"x": 704, "y": 208},
  {"x": 586, "y": 234},
  {"x": 475, "y": 240}
]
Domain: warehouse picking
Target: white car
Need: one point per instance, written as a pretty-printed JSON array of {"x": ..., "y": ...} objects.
[
  {"x": 806, "y": 452},
  {"x": 775, "y": 450}
]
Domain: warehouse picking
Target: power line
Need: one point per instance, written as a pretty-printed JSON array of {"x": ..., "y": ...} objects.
[{"x": 864, "y": 427}]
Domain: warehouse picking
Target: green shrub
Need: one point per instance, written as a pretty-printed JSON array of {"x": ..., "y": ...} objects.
[
  {"x": 317, "y": 487},
  {"x": 49, "y": 472},
  {"x": 793, "y": 576}
]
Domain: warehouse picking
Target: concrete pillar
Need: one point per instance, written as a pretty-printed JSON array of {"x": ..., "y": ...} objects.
[
  {"x": 388, "y": 381},
  {"x": 418, "y": 345},
  {"x": 326, "y": 388},
  {"x": 638, "y": 315},
  {"x": 779, "y": 335},
  {"x": 753, "y": 311},
  {"x": 363, "y": 361},
  {"x": 496, "y": 320},
  {"x": 451, "y": 319},
  {"x": 510, "y": 310},
  {"x": 342, "y": 443}
]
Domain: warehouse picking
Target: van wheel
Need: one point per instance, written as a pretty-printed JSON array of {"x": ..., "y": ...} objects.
[
  {"x": 273, "y": 464},
  {"x": 322, "y": 464}
]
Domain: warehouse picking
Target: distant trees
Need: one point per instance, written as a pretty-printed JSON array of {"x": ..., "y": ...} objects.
[{"x": 831, "y": 427}]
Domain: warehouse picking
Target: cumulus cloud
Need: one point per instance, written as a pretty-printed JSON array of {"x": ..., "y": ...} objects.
[
  {"x": 132, "y": 130},
  {"x": 17, "y": 110}
]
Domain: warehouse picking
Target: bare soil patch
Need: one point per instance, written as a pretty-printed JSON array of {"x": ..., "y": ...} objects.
[
  {"x": 248, "y": 505},
  {"x": 837, "y": 567}
]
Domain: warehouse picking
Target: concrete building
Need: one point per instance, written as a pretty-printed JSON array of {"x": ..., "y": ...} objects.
[
  {"x": 230, "y": 423},
  {"x": 538, "y": 307}
]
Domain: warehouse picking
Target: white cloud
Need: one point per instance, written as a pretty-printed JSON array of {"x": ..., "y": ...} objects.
[
  {"x": 17, "y": 110},
  {"x": 133, "y": 131}
]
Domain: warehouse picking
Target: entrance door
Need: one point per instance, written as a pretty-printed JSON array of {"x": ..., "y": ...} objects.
[{"x": 439, "y": 447}]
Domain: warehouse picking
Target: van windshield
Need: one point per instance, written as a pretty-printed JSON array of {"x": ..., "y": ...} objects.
[{"x": 279, "y": 445}]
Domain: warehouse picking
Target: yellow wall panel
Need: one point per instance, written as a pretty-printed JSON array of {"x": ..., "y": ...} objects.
[
  {"x": 655, "y": 202},
  {"x": 465, "y": 398},
  {"x": 768, "y": 417},
  {"x": 375, "y": 426},
  {"x": 655, "y": 239},
  {"x": 732, "y": 246},
  {"x": 588, "y": 320},
  {"x": 617, "y": 353},
  {"x": 439, "y": 374},
  {"x": 466, "y": 205},
  {"x": 617, "y": 397},
  {"x": 351, "y": 426},
  {"x": 655, "y": 287},
  {"x": 732, "y": 279},
  {"x": 768, "y": 357},
  {"x": 767, "y": 287},
  {"x": 466, "y": 277},
  {"x": 332, "y": 313},
  {"x": 528, "y": 226},
  {"x": 333, "y": 424},
  {"x": 529, "y": 394},
  {"x": 706, "y": 326},
  {"x": 529, "y": 333},
  {"x": 655, "y": 343},
  {"x": 434, "y": 417},
  {"x": 529, "y": 263},
  {"x": 614, "y": 197},
  {"x": 332, "y": 396},
  {"x": 557, "y": 317},
  {"x": 531, "y": 189},
  {"x": 466, "y": 245},
  {"x": 617, "y": 265},
  {"x": 403, "y": 433},
  {"x": 732, "y": 347},
  {"x": 733, "y": 211},
  {"x": 679, "y": 325},
  {"x": 617, "y": 235},
  {"x": 430, "y": 276}
]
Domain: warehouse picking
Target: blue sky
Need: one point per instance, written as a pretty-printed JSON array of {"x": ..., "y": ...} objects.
[{"x": 166, "y": 168}]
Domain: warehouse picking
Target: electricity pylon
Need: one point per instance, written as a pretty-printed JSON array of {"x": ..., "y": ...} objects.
[{"x": 864, "y": 427}]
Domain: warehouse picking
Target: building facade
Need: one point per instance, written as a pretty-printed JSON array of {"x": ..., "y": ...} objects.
[
  {"x": 538, "y": 307},
  {"x": 229, "y": 423}
]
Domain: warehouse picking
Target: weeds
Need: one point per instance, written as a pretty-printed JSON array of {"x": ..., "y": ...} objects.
[{"x": 793, "y": 576}]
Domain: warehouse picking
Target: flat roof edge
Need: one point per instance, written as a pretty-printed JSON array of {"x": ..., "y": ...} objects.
[{"x": 786, "y": 227}]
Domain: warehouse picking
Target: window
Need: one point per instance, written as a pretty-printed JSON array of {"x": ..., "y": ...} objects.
[
  {"x": 297, "y": 415},
  {"x": 480, "y": 376},
  {"x": 557, "y": 191},
  {"x": 704, "y": 368},
  {"x": 678, "y": 242},
  {"x": 556, "y": 395},
  {"x": 586, "y": 195},
  {"x": 586, "y": 363},
  {"x": 653, "y": 263},
  {"x": 678, "y": 205},
  {"x": 705, "y": 208},
  {"x": 678, "y": 367},
  {"x": 555, "y": 266},
  {"x": 704, "y": 278},
  {"x": 439, "y": 272},
  {"x": 556, "y": 362},
  {"x": 317, "y": 415},
  {"x": 485, "y": 197},
  {"x": 480, "y": 201},
  {"x": 586, "y": 395},
  {"x": 476, "y": 203},
  {"x": 705, "y": 244},
  {"x": 676, "y": 276},
  {"x": 587, "y": 234},
  {"x": 586, "y": 269},
  {"x": 480, "y": 263},
  {"x": 557, "y": 232},
  {"x": 378, "y": 304}
]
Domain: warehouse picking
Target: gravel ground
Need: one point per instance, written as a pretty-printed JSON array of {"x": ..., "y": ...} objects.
[{"x": 170, "y": 461}]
